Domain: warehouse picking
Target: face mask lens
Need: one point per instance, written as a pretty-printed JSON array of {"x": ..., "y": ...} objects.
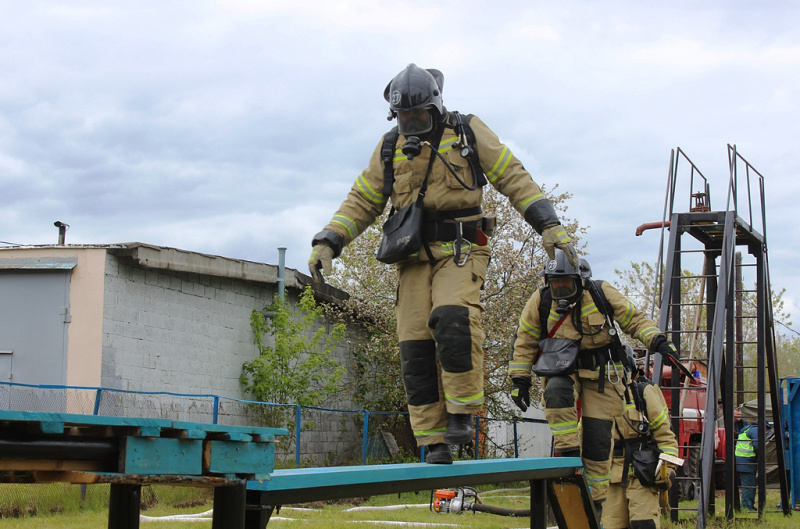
[
  {"x": 563, "y": 287},
  {"x": 414, "y": 122}
]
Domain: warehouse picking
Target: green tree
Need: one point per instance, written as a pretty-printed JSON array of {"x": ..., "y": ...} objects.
[{"x": 299, "y": 366}]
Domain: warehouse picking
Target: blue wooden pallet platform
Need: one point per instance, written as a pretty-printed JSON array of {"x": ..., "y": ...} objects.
[{"x": 128, "y": 452}]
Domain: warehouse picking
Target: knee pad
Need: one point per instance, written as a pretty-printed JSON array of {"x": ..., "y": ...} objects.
[
  {"x": 643, "y": 524},
  {"x": 418, "y": 363},
  {"x": 598, "y": 434},
  {"x": 559, "y": 393},
  {"x": 451, "y": 330}
]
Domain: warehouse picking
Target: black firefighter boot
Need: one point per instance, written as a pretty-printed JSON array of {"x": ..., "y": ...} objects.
[
  {"x": 438, "y": 453},
  {"x": 459, "y": 428}
]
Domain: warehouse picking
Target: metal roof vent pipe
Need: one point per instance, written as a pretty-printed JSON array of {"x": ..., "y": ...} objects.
[
  {"x": 62, "y": 231},
  {"x": 281, "y": 271}
]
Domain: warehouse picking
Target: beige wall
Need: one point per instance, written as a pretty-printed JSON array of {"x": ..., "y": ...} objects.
[{"x": 85, "y": 331}]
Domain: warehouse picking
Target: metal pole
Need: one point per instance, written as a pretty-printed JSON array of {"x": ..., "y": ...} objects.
[{"x": 281, "y": 271}]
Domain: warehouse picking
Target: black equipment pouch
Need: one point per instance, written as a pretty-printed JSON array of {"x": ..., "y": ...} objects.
[
  {"x": 642, "y": 453},
  {"x": 558, "y": 357},
  {"x": 402, "y": 233}
]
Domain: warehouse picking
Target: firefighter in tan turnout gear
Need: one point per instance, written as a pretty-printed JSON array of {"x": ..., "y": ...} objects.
[
  {"x": 448, "y": 157},
  {"x": 644, "y": 427},
  {"x": 566, "y": 335}
]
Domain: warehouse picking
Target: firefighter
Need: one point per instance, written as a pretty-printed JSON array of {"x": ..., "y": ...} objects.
[
  {"x": 438, "y": 297},
  {"x": 574, "y": 320},
  {"x": 644, "y": 425}
]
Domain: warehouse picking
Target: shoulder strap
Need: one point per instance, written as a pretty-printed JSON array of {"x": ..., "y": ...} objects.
[
  {"x": 600, "y": 299},
  {"x": 638, "y": 397},
  {"x": 387, "y": 153},
  {"x": 544, "y": 308},
  {"x": 462, "y": 124}
]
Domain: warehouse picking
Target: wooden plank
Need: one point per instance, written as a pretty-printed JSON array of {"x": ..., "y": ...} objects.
[
  {"x": 572, "y": 504},
  {"x": 311, "y": 484},
  {"x": 234, "y": 432},
  {"x": 27, "y": 465},
  {"x": 163, "y": 456},
  {"x": 226, "y": 457},
  {"x": 55, "y": 422}
]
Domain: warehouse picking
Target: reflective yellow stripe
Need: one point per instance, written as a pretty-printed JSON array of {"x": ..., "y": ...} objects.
[
  {"x": 500, "y": 165},
  {"x": 428, "y": 433},
  {"x": 563, "y": 428},
  {"x": 369, "y": 193},
  {"x": 669, "y": 450},
  {"x": 448, "y": 247},
  {"x": 447, "y": 145},
  {"x": 530, "y": 200},
  {"x": 347, "y": 223},
  {"x": 648, "y": 332},
  {"x": 520, "y": 366},
  {"x": 470, "y": 400},
  {"x": 627, "y": 316},
  {"x": 588, "y": 309},
  {"x": 661, "y": 419},
  {"x": 597, "y": 479},
  {"x": 530, "y": 329}
]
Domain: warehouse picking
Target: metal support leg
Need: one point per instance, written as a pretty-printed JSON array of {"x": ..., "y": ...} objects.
[
  {"x": 257, "y": 513},
  {"x": 229, "y": 506},
  {"x": 538, "y": 504},
  {"x": 124, "y": 502}
]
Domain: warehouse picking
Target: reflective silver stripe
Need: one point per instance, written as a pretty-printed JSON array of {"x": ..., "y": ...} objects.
[
  {"x": 347, "y": 223},
  {"x": 514, "y": 365},
  {"x": 647, "y": 332},
  {"x": 530, "y": 200},
  {"x": 471, "y": 400},
  {"x": 367, "y": 190},
  {"x": 630, "y": 310},
  {"x": 500, "y": 165},
  {"x": 530, "y": 329}
]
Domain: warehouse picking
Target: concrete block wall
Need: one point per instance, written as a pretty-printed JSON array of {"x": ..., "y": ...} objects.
[{"x": 190, "y": 333}]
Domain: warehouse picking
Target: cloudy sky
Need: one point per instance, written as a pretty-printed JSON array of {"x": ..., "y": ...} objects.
[{"x": 233, "y": 127}]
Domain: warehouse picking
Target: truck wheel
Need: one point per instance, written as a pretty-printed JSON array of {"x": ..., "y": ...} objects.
[{"x": 691, "y": 471}]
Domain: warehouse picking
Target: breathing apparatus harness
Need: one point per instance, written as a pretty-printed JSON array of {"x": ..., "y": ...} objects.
[
  {"x": 603, "y": 357},
  {"x": 442, "y": 225}
]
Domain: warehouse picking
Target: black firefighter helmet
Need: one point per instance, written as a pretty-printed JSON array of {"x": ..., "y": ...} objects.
[{"x": 417, "y": 93}]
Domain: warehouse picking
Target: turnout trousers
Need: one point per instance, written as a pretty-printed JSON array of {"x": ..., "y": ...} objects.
[
  {"x": 635, "y": 506},
  {"x": 593, "y": 433},
  {"x": 441, "y": 340}
]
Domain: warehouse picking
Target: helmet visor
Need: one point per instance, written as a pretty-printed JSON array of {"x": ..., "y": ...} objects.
[
  {"x": 414, "y": 122},
  {"x": 563, "y": 287}
]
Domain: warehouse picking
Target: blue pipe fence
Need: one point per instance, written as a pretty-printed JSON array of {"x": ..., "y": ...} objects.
[{"x": 321, "y": 436}]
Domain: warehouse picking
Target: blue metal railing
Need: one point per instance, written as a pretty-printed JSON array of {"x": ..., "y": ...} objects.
[{"x": 97, "y": 397}]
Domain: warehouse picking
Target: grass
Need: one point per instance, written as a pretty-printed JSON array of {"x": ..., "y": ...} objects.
[{"x": 336, "y": 515}]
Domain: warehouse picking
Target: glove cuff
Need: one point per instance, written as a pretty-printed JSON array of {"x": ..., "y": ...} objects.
[
  {"x": 541, "y": 214},
  {"x": 657, "y": 342},
  {"x": 332, "y": 239},
  {"x": 519, "y": 380}
]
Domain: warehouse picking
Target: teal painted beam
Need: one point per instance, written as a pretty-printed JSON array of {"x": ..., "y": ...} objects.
[
  {"x": 316, "y": 484},
  {"x": 161, "y": 456}
]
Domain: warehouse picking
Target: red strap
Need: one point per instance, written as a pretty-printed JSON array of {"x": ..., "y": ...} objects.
[{"x": 558, "y": 324}]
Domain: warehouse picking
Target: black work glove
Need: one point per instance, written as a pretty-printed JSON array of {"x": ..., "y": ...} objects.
[
  {"x": 669, "y": 354},
  {"x": 521, "y": 392}
]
